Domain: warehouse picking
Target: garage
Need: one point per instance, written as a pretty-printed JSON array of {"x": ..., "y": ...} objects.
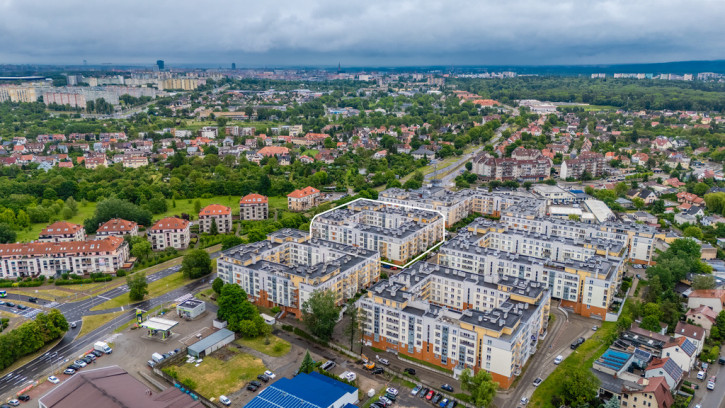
[{"x": 211, "y": 343}]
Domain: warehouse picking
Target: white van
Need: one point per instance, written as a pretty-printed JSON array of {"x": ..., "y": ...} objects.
[{"x": 701, "y": 375}]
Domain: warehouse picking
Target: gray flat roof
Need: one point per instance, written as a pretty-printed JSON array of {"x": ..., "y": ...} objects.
[{"x": 210, "y": 340}]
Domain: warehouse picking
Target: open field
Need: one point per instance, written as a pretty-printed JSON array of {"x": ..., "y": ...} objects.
[
  {"x": 156, "y": 288},
  {"x": 46, "y": 294},
  {"x": 222, "y": 373},
  {"x": 278, "y": 202},
  {"x": 32, "y": 234},
  {"x": 93, "y": 322},
  {"x": 186, "y": 205},
  {"x": 276, "y": 347}
]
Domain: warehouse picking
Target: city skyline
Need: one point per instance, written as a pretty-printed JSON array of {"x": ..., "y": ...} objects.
[{"x": 323, "y": 33}]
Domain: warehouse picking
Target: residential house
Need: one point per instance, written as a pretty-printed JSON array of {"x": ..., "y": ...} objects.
[
  {"x": 304, "y": 199},
  {"x": 689, "y": 198},
  {"x": 703, "y": 316},
  {"x": 253, "y": 207},
  {"x": 95, "y": 161},
  {"x": 712, "y": 298},
  {"x": 218, "y": 214},
  {"x": 422, "y": 152},
  {"x": 117, "y": 227},
  {"x": 169, "y": 232},
  {"x": 656, "y": 393},
  {"x": 667, "y": 368},
  {"x": 589, "y": 162},
  {"x": 693, "y": 333},
  {"x": 62, "y": 231},
  {"x": 689, "y": 215},
  {"x": 682, "y": 351}
]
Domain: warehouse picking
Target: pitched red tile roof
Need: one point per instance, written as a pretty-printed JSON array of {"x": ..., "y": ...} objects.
[
  {"x": 689, "y": 330},
  {"x": 273, "y": 150},
  {"x": 170, "y": 223},
  {"x": 61, "y": 228},
  {"x": 307, "y": 191},
  {"x": 117, "y": 225},
  {"x": 108, "y": 244},
  {"x": 708, "y": 293},
  {"x": 253, "y": 199},
  {"x": 658, "y": 386},
  {"x": 215, "y": 209}
]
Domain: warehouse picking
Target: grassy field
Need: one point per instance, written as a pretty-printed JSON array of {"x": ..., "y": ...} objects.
[
  {"x": 276, "y": 347},
  {"x": 187, "y": 205},
  {"x": 583, "y": 357},
  {"x": 215, "y": 376},
  {"x": 93, "y": 322},
  {"x": 278, "y": 202},
  {"x": 156, "y": 288},
  {"x": 32, "y": 234},
  {"x": 46, "y": 294}
]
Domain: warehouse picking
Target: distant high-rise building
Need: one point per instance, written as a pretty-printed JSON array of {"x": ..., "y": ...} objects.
[
  {"x": 234, "y": 66},
  {"x": 160, "y": 64}
]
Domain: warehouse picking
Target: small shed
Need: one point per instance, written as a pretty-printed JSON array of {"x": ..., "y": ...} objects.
[
  {"x": 211, "y": 343},
  {"x": 190, "y": 308}
]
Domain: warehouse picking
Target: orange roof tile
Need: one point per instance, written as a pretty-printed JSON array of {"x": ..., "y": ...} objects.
[
  {"x": 117, "y": 225},
  {"x": 61, "y": 228},
  {"x": 215, "y": 209},
  {"x": 253, "y": 199},
  {"x": 307, "y": 191},
  {"x": 170, "y": 223}
]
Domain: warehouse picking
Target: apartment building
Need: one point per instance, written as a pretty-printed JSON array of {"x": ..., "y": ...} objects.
[
  {"x": 286, "y": 268},
  {"x": 117, "y": 227},
  {"x": 456, "y": 319},
  {"x": 584, "y": 273},
  {"x": 398, "y": 233},
  {"x": 169, "y": 232},
  {"x": 18, "y": 93},
  {"x": 215, "y": 213},
  {"x": 304, "y": 199},
  {"x": 62, "y": 231},
  {"x": 524, "y": 164},
  {"x": 590, "y": 162},
  {"x": 454, "y": 205},
  {"x": 53, "y": 258},
  {"x": 253, "y": 207}
]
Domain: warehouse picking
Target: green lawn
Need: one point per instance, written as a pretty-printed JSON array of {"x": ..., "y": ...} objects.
[
  {"x": 276, "y": 347},
  {"x": 32, "y": 234},
  {"x": 92, "y": 322},
  {"x": 583, "y": 357},
  {"x": 186, "y": 205},
  {"x": 215, "y": 377},
  {"x": 156, "y": 288},
  {"x": 278, "y": 202}
]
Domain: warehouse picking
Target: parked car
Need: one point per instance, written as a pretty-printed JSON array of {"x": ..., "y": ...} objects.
[
  {"x": 595, "y": 328},
  {"x": 33, "y": 299},
  {"x": 14, "y": 402},
  {"x": 391, "y": 390},
  {"x": 87, "y": 360},
  {"x": 436, "y": 398},
  {"x": 9, "y": 304},
  {"x": 256, "y": 383},
  {"x": 263, "y": 378},
  {"x": 80, "y": 362},
  {"x": 151, "y": 363},
  {"x": 97, "y": 353},
  {"x": 424, "y": 392},
  {"x": 22, "y": 307},
  {"x": 225, "y": 400},
  {"x": 447, "y": 387},
  {"x": 69, "y": 371},
  {"x": 452, "y": 404},
  {"x": 721, "y": 360},
  {"x": 410, "y": 371},
  {"x": 383, "y": 361},
  {"x": 377, "y": 370},
  {"x": 53, "y": 379},
  {"x": 415, "y": 390},
  {"x": 524, "y": 401},
  {"x": 701, "y": 375},
  {"x": 386, "y": 401},
  {"x": 711, "y": 383},
  {"x": 73, "y": 325},
  {"x": 430, "y": 395},
  {"x": 2, "y": 302},
  {"x": 24, "y": 398},
  {"x": 538, "y": 381},
  {"x": 578, "y": 342},
  {"x": 443, "y": 403},
  {"x": 328, "y": 365},
  {"x": 558, "y": 359},
  {"x": 269, "y": 374},
  {"x": 252, "y": 387},
  {"x": 391, "y": 397}
]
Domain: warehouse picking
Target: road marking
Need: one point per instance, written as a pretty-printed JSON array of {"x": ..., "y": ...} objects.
[{"x": 103, "y": 297}]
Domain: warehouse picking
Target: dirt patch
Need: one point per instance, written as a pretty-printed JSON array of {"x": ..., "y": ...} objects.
[{"x": 226, "y": 354}]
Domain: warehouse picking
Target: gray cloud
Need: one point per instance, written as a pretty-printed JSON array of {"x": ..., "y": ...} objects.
[{"x": 385, "y": 32}]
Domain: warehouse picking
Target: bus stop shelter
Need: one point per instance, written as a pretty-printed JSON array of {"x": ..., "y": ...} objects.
[{"x": 157, "y": 325}]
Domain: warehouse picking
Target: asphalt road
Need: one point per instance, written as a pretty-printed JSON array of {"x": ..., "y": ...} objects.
[
  {"x": 69, "y": 348},
  {"x": 716, "y": 397}
]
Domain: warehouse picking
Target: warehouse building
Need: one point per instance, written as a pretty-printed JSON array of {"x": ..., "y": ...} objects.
[
  {"x": 211, "y": 343},
  {"x": 312, "y": 390}
]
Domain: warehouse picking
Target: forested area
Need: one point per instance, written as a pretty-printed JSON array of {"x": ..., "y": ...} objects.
[
  {"x": 633, "y": 94},
  {"x": 31, "y": 336}
]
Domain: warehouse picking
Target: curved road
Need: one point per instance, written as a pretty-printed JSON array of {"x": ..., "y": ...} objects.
[{"x": 69, "y": 347}]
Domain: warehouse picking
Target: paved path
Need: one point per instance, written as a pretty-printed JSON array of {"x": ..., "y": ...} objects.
[{"x": 69, "y": 347}]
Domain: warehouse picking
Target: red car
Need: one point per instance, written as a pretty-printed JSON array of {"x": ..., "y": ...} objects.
[{"x": 430, "y": 395}]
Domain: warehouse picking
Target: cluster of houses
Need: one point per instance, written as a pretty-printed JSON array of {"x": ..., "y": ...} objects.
[{"x": 644, "y": 367}]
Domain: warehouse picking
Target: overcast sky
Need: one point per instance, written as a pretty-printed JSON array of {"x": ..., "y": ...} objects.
[{"x": 354, "y": 32}]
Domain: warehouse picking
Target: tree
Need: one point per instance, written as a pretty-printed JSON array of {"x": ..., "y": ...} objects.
[
  {"x": 638, "y": 203},
  {"x": 7, "y": 234},
  {"x": 481, "y": 387},
  {"x": 703, "y": 282},
  {"x": 117, "y": 208},
  {"x": 352, "y": 325},
  {"x": 580, "y": 387},
  {"x": 694, "y": 232},
  {"x": 197, "y": 207},
  {"x": 574, "y": 217},
  {"x": 141, "y": 249},
  {"x": 320, "y": 313},
  {"x": 196, "y": 264},
  {"x": 217, "y": 285},
  {"x": 307, "y": 366},
  {"x": 612, "y": 403},
  {"x": 137, "y": 286},
  {"x": 213, "y": 230},
  {"x": 469, "y": 166},
  {"x": 239, "y": 313},
  {"x": 230, "y": 241}
]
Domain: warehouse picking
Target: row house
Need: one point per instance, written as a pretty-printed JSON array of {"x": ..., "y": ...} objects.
[
  {"x": 62, "y": 231},
  {"x": 117, "y": 227}
]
